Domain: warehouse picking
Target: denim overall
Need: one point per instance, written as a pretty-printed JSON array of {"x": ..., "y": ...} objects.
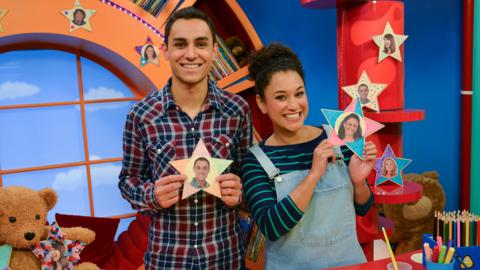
[{"x": 326, "y": 235}]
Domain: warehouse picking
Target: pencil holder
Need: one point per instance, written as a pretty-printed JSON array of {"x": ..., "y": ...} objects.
[
  {"x": 440, "y": 266},
  {"x": 469, "y": 256}
]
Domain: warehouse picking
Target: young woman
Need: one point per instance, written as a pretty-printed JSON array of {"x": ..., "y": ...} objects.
[
  {"x": 389, "y": 42},
  {"x": 303, "y": 192},
  {"x": 389, "y": 168},
  {"x": 350, "y": 129}
]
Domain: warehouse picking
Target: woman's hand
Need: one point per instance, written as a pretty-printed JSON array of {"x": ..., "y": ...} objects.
[
  {"x": 320, "y": 158},
  {"x": 360, "y": 169}
]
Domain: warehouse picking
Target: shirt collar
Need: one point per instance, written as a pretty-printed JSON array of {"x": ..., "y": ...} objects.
[{"x": 213, "y": 96}]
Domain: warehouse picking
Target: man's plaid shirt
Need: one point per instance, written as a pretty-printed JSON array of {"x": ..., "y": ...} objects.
[{"x": 199, "y": 232}]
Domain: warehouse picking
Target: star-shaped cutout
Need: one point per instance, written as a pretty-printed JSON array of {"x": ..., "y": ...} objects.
[
  {"x": 350, "y": 127},
  {"x": 3, "y": 12},
  {"x": 389, "y": 44},
  {"x": 57, "y": 250},
  {"x": 389, "y": 167},
  {"x": 366, "y": 91},
  {"x": 148, "y": 52},
  {"x": 201, "y": 170},
  {"x": 78, "y": 17}
]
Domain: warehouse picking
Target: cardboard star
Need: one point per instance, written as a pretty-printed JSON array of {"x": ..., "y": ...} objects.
[
  {"x": 339, "y": 119},
  {"x": 51, "y": 251},
  {"x": 186, "y": 166},
  {"x": 78, "y": 17},
  {"x": 3, "y": 12},
  {"x": 386, "y": 160},
  {"x": 365, "y": 85},
  {"x": 395, "y": 41},
  {"x": 144, "y": 55}
]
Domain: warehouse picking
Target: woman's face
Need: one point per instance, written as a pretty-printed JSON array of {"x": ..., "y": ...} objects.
[
  {"x": 149, "y": 51},
  {"x": 350, "y": 126},
  {"x": 78, "y": 16},
  {"x": 387, "y": 42},
  {"x": 389, "y": 165},
  {"x": 285, "y": 101}
]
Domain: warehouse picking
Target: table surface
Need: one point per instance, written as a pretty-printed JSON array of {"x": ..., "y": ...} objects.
[{"x": 382, "y": 264}]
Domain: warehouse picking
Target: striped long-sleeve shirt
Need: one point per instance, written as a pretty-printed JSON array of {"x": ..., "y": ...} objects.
[{"x": 278, "y": 218}]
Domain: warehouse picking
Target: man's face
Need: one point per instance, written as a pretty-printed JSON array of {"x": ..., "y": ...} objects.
[
  {"x": 201, "y": 170},
  {"x": 190, "y": 51},
  {"x": 363, "y": 92},
  {"x": 78, "y": 16}
]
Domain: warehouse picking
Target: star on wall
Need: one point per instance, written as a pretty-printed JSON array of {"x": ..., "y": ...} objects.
[
  {"x": 3, "y": 12},
  {"x": 350, "y": 127},
  {"x": 366, "y": 91},
  {"x": 186, "y": 166},
  {"x": 148, "y": 52},
  {"x": 389, "y": 44},
  {"x": 389, "y": 167},
  {"x": 78, "y": 17}
]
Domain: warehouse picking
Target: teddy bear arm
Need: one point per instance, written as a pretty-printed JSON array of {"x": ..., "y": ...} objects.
[
  {"x": 23, "y": 260},
  {"x": 79, "y": 234}
]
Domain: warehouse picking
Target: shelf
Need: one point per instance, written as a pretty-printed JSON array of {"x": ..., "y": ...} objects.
[
  {"x": 234, "y": 77},
  {"x": 394, "y": 194},
  {"x": 329, "y": 3},
  {"x": 397, "y": 116}
]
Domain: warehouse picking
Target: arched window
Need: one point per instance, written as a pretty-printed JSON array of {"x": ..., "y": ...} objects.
[{"x": 61, "y": 119}]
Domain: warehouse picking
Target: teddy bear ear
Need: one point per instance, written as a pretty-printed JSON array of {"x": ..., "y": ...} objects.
[{"x": 50, "y": 197}]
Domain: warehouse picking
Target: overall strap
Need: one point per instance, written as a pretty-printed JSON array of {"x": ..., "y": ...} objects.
[{"x": 264, "y": 161}]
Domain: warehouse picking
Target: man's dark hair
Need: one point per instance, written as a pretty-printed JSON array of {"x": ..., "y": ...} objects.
[
  {"x": 201, "y": 159},
  {"x": 188, "y": 14}
]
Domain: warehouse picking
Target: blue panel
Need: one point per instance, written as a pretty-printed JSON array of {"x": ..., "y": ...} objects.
[
  {"x": 432, "y": 73},
  {"x": 106, "y": 194},
  {"x": 100, "y": 83},
  {"x": 40, "y": 136},
  {"x": 123, "y": 226},
  {"x": 105, "y": 123},
  {"x": 37, "y": 76},
  {"x": 69, "y": 183}
]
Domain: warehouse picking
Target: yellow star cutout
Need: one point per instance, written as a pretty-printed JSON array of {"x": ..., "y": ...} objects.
[
  {"x": 366, "y": 91},
  {"x": 2, "y": 14},
  {"x": 212, "y": 167},
  {"x": 78, "y": 17},
  {"x": 389, "y": 44}
]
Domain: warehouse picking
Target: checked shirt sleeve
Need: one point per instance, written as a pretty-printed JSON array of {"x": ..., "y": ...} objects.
[{"x": 135, "y": 179}]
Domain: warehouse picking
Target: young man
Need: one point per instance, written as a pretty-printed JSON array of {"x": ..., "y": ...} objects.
[
  {"x": 201, "y": 168},
  {"x": 201, "y": 231}
]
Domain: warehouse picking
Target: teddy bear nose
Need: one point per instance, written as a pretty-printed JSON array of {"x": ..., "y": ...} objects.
[{"x": 29, "y": 236}]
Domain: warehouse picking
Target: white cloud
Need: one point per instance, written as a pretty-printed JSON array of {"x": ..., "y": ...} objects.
[
  {"x": 102, "y": 93},
  {"x": 105, "y": 174},
  {"x": 17, "y": 89},
  {"x": 70, "y": 180},
  {"x": 9, "y": 65},
  {"x": 102, "y": 174},
  {"x": 94, "y": 157}
]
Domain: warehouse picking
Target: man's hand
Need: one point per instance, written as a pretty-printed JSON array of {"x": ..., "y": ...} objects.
[
  {"x": 231, "y": 188},
  {"x": 167, "y": 189}
]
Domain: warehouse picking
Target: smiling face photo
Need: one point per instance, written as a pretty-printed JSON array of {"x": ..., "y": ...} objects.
[
  {"x": 79, "y": 17},
  {"x": 388, "y": 43},
  {"x": 150, "y": 54},
  {"x": 363, "y": 93},
  {"x": 350, "y": 127},
  {"x": 201, "y": 169},
  {"x": 389, "y": 167}
]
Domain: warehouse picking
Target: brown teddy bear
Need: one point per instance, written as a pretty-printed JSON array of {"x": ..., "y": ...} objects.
[
  {"x": 23, "y": 217},
  {"x": 412, "y": 220},
  {"x": 238, "y": 50}
]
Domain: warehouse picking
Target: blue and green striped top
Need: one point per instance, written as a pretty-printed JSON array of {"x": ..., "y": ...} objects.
[{"x": 276, "y": 219}]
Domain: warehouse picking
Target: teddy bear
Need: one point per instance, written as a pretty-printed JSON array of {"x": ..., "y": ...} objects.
[
  {"x": 23, "y": 224},
  {"x": 238, "y": 50},
  {"x": 412, "y": 220}
]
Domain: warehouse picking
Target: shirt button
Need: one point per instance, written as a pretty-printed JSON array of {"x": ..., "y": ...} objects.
[
  {"x": 196, "y": 200},
  {"x": 195, "y": 246},
  {"x": 196, "y": 223},
  {"x": 227, "y": 144},
  {"x": 159, "y": 151},
  {"x": 193, "y": 129}
]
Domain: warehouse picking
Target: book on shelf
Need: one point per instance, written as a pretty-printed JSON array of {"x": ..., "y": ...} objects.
[
  {"x": 154, "y": 7},
  {"x": 224, "y": 62}
]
